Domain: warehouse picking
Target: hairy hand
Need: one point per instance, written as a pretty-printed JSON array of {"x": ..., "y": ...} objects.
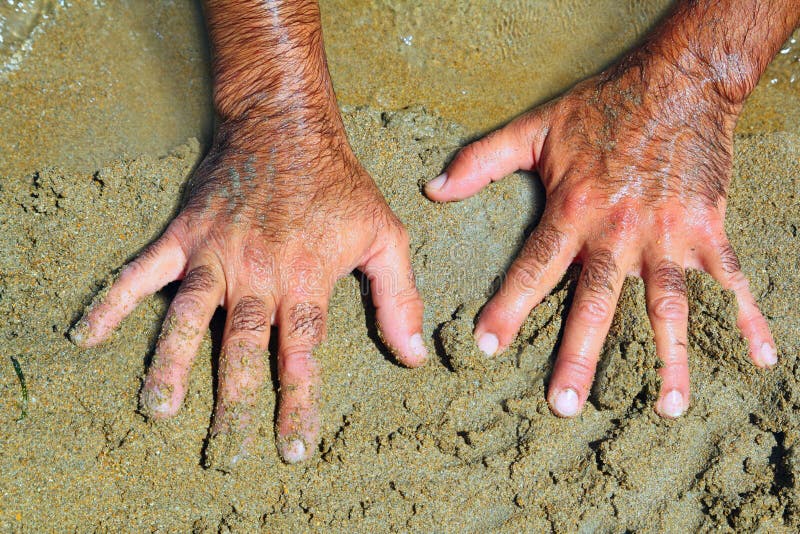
[
  {"x": 271, "y": 221},
  {"x": 635, "y": 164}
]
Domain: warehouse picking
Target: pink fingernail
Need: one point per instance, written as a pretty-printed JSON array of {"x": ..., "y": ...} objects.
[
  {"x": 672, "y": 404},
  {"x": 488, "y": 343},
  {"x": 79, "y": 333},
  {"x": 294, "y": 451},
  {"x": 155, "y": 402},
  {"x": 417, "y": 346},
  {"x": 768, "y": 354},
  {"x": 566, "y": 403},
  {"x": 437, "y": 183}
]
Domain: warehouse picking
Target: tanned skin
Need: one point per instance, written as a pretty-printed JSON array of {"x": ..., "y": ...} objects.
[
  {"x": 277, "y": 211},
  {"x": 635, "y": 162}
]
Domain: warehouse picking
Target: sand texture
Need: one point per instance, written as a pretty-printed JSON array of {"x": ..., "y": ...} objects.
[
  {"x": 463, "y": 444},
  {"x": 104, "y": 91}
]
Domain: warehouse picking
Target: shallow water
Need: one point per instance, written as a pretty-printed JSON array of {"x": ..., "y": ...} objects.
[
  {"x": 18, "y": 18},
  {"x": 104, "y": 79}
]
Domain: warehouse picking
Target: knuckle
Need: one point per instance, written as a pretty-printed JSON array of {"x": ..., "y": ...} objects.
[
  {"x": 297, "y": 355},
  {"x": 303, "y": 278},
  {"x": 525, "y": 126},
  {"x": 297, "y": 366},
  {"x": 593, "y": 310},
  {"x": 243, "y": 361},
  {"x": 178, "y": 229},
  {"x": 136, "y": 268},
  {"x": 201, "y": 279},
  {"x": 254, "y": 256},
  {"x": 573, "y": 202},
  {"x": 578, "y": 369},
  {"x": 676, "y": 357},
  {"x": 729, "y": 259},
  {"x": 669, "y": 277},
  {"x": 670, "y": 308},
  {"x": 139, "y": 266},
  {"x": 474, "y": 152},
  {"x": 544, "y": 244},
  {"x": 600, "y": 271},
  {"x": 496, "y": 315},
  {"x": 408, "y": 300},
  {"x": 186, "y": 305},
  {"x": 623, "y": 218},
  {"x": 525, "y": 277},
  {"x": 737, "y": 281},
  {"x": 306, "y": 321},
  {"x": 148, "y": 255},
  {"x": 668, "y": 220},
  {"x": 249, "y": 315}
]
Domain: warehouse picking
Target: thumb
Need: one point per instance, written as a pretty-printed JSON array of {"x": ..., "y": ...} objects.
[
  {"x": 398, "y": 306},
  {"x": 514, "y": 146}
]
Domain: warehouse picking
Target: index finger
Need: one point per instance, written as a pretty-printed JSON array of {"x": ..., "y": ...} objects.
[{"x": 159, "y": 264}]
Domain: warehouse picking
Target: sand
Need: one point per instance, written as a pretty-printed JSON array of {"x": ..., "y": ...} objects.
[{"x": 463, "y": 444}]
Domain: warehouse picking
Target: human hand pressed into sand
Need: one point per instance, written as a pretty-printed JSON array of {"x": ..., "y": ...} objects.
[
  {"x": 636, "y": 164},
  {"x": 265, "y": 234}
]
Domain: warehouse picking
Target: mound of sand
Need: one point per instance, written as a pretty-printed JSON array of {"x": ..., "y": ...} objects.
[{"x": 462, "y": 444}]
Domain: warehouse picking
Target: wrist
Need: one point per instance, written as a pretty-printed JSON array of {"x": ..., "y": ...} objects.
[
  {"x": 291, "y": 89},
  {"x": 726, "y": 45},
  {"x": 269, "y": 59},
  {"x": 674, "y": 75},
  {"x": 722, "y": 76}
]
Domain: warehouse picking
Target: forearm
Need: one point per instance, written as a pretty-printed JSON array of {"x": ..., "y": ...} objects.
[
  {"x": 725, "y": 43},
  {"x": 269, "y": 62}
]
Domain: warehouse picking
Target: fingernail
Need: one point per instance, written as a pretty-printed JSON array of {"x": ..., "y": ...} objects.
[
  {"x": 488, "y": 343},
  {"x": 417, "y": 346},
  {"x": 672, "y": 404},
  {"x": 155, "y": 402},
  {"x": 566, "y": 403},
  {"x": 293, "y": 451},
  {"x": 78, "y": 333},
  {"x": 768, "y": 354},
  {"x": 437, "y": 183},
  {"x": 225, "y": 450}
]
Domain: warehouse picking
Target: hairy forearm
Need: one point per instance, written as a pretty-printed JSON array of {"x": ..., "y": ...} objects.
[
  {"x": 269, "y": 62},
  {"x": 725, "y": 43}
]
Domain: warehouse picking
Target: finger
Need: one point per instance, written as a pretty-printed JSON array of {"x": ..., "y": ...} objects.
[
  {"x": 242, "y": 364},
  {"x": 668, "y": 309},
  {"x": 182, "y": 332},
  {"x": 489, "y": 159},
  {"x": 587, "y": 325},
  {"x": 301, "y": 327},
  {"x": 723, "y": 264},
  {"x": 159, "y": 264},
  {"x": 398, "y": 306},
  {"x": 547, "y": 253}
]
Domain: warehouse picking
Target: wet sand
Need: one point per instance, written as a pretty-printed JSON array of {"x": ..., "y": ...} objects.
[{"x": 462, "y": 444}]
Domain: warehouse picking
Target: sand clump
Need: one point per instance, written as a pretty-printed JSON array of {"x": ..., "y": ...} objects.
[{"x": 464, "y": 443}]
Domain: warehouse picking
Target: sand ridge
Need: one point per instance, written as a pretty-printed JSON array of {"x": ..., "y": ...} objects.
[{"x": 462, "y": 444}]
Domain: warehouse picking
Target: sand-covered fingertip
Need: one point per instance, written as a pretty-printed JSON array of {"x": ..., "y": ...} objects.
[
  {"x": 461, "y": 351},
  {"x": 225, "y": 451},
  {"x": 79, "y": 333},
  {"x": 293, "y": 450}
]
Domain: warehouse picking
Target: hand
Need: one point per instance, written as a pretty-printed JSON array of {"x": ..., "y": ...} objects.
[
  {"x": 635, "y": 164},
  {"x": 271, "y": 221}
]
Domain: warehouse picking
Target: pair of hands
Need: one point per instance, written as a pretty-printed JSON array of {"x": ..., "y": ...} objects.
[{"x": 635, "y": 164}]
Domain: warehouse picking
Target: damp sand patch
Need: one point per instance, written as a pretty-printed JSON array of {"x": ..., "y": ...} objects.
[{"x": 462, "y": 444}]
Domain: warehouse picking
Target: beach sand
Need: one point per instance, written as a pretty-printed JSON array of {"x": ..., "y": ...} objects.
[{"x": 465, "y": 443}]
